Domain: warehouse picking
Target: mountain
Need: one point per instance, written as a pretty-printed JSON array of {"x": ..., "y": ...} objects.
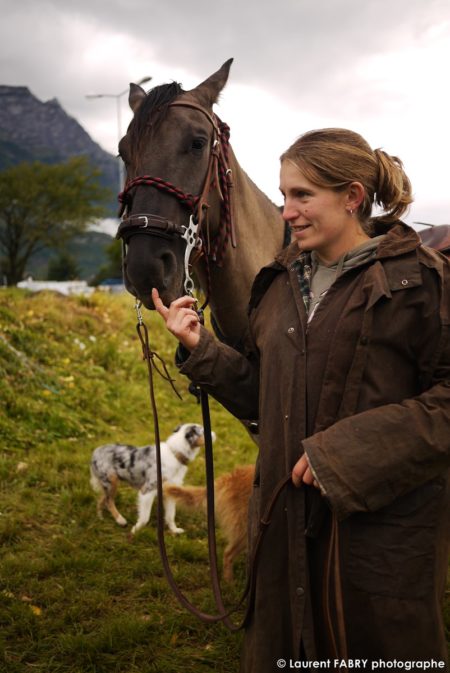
[{"x": 32, "y": 130}]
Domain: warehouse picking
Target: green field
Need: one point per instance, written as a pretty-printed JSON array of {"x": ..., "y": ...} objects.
[{"x": 76, "y": 595}]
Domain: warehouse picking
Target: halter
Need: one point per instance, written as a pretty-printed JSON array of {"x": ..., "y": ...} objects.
[{"x": 218, "y": 175}]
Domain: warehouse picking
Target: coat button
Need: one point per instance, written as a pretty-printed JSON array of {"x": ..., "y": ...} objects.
[
  {"x": 404, "y": 281},
  {"x": 291, "y": 330},
  {"x": 300, "y": 591}
]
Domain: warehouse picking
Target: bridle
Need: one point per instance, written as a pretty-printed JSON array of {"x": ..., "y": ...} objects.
[{"x": 196, "y": 234}]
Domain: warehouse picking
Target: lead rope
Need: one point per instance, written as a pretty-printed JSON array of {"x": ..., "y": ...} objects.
[
  {"x": 223, "y": 615},
  {"x": 342, "y": 635},
  {"x": 264, "y": 523},
  {"x": 339, "y": 640}
]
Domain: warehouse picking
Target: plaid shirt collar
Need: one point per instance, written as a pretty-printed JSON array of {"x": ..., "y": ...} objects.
[{"x": 303, "y": 267}]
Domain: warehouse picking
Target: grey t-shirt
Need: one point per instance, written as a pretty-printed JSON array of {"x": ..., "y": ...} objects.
[{"x": 323, "y": 275}]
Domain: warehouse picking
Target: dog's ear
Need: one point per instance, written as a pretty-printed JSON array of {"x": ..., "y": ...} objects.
[
  {"x": 191, "y": 435},
  {"x": 176, "y": 429}
]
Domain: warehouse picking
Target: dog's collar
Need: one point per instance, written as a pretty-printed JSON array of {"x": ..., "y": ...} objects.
[{"x": 184, "y": 460}]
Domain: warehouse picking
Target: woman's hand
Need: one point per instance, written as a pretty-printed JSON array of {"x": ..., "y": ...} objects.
[
  {"x": 301, "y": 473},
  {"x": 180, "y": 319}
]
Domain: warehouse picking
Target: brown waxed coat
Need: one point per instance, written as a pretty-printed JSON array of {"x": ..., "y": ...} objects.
[{"x": 364, "y": 389}]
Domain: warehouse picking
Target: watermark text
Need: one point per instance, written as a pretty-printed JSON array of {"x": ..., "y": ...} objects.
[{"x": 362, "y": 664}]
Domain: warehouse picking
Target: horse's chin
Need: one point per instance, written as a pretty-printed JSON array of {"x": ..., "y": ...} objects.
[{"x": 147, "y": 302}]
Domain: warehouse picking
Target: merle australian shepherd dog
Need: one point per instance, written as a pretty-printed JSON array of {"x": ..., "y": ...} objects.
[{"x": 112, "y": 463}]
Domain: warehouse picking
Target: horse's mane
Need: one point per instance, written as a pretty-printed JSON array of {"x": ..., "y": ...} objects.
[{"x": 153, "y": 108}]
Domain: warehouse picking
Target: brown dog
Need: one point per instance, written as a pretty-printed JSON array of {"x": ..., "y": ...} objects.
[{"x": 232, "y": 492}]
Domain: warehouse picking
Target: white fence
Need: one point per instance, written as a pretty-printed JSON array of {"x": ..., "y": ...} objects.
[{"x": 66, "y": 287}]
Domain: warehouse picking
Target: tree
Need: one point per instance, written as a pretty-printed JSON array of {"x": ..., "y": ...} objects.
[
  {"x": 43, "y": 206},
  {"x": 114, "y": 267},
  {"x": 63, "y": 267}
]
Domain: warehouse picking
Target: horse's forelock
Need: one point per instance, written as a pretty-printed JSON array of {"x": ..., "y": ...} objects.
[{"x": 153, "y": 109}]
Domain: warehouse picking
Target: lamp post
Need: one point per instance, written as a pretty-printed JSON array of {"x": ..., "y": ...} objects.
[{"x": 118, "y": 96}]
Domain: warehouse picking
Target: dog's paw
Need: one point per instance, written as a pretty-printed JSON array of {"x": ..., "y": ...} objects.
[
  {"x": 121, "y": 521},
  {"x": 175, "y": 530}
]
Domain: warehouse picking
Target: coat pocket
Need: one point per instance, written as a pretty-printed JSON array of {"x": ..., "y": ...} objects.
[{"x": 391, "y": 552}]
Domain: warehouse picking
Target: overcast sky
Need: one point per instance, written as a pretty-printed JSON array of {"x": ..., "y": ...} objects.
[{"x": 379, "y": 67}]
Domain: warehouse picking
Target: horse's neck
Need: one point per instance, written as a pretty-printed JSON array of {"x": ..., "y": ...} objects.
[{"x": 259, "y": 235}]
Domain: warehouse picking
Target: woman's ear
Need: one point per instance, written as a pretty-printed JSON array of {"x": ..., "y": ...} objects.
[{"x": 355, "y": 196}]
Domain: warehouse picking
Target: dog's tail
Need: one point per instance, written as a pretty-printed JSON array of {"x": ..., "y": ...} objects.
[{"x": 193, "y": 497}]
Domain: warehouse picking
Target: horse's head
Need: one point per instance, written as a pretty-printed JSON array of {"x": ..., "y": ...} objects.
[{"x": 167, "y": 150}]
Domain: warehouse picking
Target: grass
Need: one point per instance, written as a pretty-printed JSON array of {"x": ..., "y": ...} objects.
[{"x": 76, "y": 595}]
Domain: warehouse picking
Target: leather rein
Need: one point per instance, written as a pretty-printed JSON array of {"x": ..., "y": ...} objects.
[{"x": 223, "y": 615}]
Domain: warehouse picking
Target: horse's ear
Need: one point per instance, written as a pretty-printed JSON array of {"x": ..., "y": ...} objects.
[
  {"x": 208, "y": 91},
  {"x": 136, "y": 96}
]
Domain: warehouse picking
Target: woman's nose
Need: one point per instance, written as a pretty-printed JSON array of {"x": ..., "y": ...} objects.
[{"x": 289, "y": 212}]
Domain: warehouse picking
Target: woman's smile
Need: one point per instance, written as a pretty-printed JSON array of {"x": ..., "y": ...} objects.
[{"x": 299, "y": 231}]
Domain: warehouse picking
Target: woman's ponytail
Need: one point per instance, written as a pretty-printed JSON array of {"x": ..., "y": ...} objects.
[{"x": 393, "y": 190}]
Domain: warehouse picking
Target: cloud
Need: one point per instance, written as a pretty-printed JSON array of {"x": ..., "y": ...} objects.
[
  {"x": 375, "y": 66},
  {"x": 289, "y": 46}
]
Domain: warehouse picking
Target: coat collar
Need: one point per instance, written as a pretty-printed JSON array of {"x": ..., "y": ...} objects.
[{"x": 399, "y": 240}]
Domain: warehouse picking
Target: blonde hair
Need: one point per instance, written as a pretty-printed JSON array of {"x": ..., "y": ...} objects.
[{"x": 333, "y": 158}]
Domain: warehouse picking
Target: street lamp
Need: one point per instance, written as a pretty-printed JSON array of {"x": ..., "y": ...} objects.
[{"x": 118, "y": 96}]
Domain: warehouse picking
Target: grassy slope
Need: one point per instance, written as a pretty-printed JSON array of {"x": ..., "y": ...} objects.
[{"x": 75, "y": 594}]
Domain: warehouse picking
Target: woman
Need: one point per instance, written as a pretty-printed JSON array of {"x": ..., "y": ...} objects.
[{"x": 348, "y": 376}]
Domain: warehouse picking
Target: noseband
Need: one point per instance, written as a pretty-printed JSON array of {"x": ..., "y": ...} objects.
[{"x": 218, "y": 175}]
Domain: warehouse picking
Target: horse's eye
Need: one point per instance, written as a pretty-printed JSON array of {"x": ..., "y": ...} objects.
[{"x": 198, "y": 144}]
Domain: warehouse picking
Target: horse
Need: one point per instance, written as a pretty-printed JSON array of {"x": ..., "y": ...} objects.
[
  {"x": 185, "y": 191},
  {"x": 437, "y": 236}
]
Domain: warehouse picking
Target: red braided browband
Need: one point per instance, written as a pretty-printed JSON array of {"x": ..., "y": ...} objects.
[{"x": 184, "y": 197}]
